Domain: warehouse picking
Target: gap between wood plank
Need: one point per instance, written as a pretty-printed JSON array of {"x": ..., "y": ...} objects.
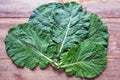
[{"x": 9, "y": 22}]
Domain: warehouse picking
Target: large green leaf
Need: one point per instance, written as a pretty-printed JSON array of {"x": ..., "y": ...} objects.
[
  {"x": 26, "y": 45},
  {"x": 66, "y": 23},
  {"x": 62, "y": 33},
  {"x": 87, "y": 59}
]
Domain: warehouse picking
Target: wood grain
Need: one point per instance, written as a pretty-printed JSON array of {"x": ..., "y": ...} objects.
[
  {"x": 8, "y": 71},
  {"x": 20, "y": 8},
  {"x": 103, "y": 8},
  {"x": 15, "y": 73},
  {"x": 9, "y": 22},
  {"x": 23, "y": 8},
  {"x": 13, "y": 12}
]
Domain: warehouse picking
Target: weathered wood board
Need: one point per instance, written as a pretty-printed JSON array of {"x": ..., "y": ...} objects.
[{"x": 13, "y": 12}]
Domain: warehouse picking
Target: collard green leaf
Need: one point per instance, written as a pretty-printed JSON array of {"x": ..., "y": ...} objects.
[
  {"x": 63, "y": 35},
  {"x": 66, "y": 23},
  {"x": 26, "y": 45},
  {"x": 98, "y": 31},
  {"x": 87, "y": 59}
]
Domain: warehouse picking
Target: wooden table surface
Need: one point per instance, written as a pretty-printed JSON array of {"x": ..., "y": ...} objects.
[{"x": 13, "y": 12}]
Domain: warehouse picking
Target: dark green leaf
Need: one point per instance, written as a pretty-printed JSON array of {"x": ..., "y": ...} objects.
[
  {"x": 88, "y": 59},
  {"x": 66, "y": 23},
  {"x": 98, "y": 31},
  {"x": 26, "y": 45},
  {"x": 62, "y": 33}
]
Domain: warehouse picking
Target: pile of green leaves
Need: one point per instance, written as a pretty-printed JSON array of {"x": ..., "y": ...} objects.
[{"x": 62, "y": 35}]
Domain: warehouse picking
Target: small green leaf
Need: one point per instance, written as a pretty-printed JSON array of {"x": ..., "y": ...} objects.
[
  {"x": 98, "y": 31},
  {"x": 26, "y": 45},
  {"x": 87, "y": 59}
]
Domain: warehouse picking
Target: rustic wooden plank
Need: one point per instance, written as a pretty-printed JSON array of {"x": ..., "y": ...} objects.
[
  {"x": 23, "y": 8},
  {"x": 9, "y": 71},
  {"x": 3, "y": 32},
  {"x": 113, "y": 26},
  {"x": 104, "y": 8},
  {"x": 11, "y": 15},
  {"x": 111, "y": 20},
  {"x": 112, "y": 71},
  {"x": 7, "y": 22},
  {"x": 20, "y": 8}
]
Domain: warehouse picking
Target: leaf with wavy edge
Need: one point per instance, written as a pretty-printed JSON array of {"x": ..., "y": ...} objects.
[
  {"x": 60, "y": 28},
  {"x": 98, "y": 31},
  {"x": 66, "y": 23},
  {"x": 87, "y": 59},
  {"x": 26, "y": 45}
]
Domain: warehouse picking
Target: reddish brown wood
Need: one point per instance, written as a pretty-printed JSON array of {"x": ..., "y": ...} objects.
[
  {"x": 15, "y": 73},
  {"x": 23, "y": 8},
  {"x": 9, "y": 22},
  {"x": 13, "y": 12},
  {"x": 8, "y": 71},
  {"x": 20, "y": 8},
  {"x": 104, "y": 8}
]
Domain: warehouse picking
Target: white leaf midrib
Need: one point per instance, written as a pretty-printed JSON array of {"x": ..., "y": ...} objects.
[
  {"x": 37, "y": 51},
  {"x": 66, "y": 33},
  {"x": 72, "y": 64}
]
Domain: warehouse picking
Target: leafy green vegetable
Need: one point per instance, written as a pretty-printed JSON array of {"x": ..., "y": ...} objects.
[
  {"x": 26, "y": 46},
  {"x": 66, "y": 23},
  {"x": 87, "y": 59},
  {"x": 63, "y": 35},
  {"x": 98, "y": 30}
]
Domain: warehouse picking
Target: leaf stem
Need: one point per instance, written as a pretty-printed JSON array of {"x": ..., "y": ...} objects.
[
  {"x": 53, "y": 63},
  {"x": 67, "y": 65},
  {"x": 40, "y": 53},
  {"x": 65, "y": 36}
]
